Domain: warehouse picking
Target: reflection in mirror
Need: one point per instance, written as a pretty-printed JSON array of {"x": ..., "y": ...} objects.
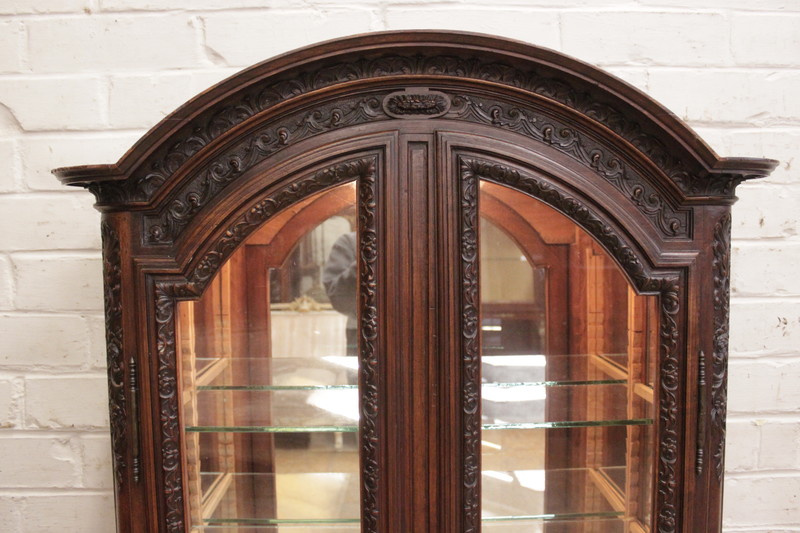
[
  {"x": 269, "y": 377},
  {"x": 568, "y": 363}
]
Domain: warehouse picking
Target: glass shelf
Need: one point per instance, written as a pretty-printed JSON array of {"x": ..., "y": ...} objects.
[
  {"x": 314, "y": 500},
  {"x": 277, "y": 373},
  {"x": 353, "y": 429},
  {"x": 298, "y": 499},
  {"x": 526, "y": 405},
  {"x": 341, "y": 372},
  {"x": 534, "y": 497},
  {"x": 272, "y": 429}
]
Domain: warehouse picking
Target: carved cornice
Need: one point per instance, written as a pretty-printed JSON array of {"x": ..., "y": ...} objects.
[
  {"x": 112, "y": 292},
  {"x": 223, "y": 169},
  {"x": 167, "y": 292},
  {"x": 721, "y": 247},
  {"x": 666, "y": 285},
  {"x": 215, "y": 121}
]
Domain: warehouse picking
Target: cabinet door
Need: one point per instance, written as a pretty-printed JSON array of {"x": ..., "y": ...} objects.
[
  {"x": 269, "y": 376},
  {"x": 426, "y": 348},
  {"x": 567, "y": 413}
]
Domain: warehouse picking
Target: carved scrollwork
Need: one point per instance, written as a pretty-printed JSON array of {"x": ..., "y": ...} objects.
[
  {"x": 166, "y": 295},
  {"x": 368, "y": 349},
  {"x": 163, "y": 228},
  {"x": 471, "y": 351},
  {"x": 721, "y": 248},
  {"x": 112, "y": 292},
  {"x": 672, "y": 223},
  {"x": 666, "y": 285},
  {"x": 244, "y": 105}
]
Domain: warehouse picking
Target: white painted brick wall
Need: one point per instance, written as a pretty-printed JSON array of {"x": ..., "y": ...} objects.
[{"x": 80, "y": 80}]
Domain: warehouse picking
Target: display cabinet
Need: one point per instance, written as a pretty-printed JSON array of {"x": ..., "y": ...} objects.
[{"x": 418, "y": 282}]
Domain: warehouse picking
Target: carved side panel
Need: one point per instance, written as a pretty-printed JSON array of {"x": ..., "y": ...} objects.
[
  {"x": 168, "y": 292},
  {"x": 115, "y": 358},
  {"x": 369, "y": 374},
  {"x": 667, "y": 285},
  {"x": 471, "y": 351},
  {"x": 721, "y": 247}
]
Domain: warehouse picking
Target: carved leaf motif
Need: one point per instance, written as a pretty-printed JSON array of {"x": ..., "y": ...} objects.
[
  {"x": 223, "y": 170},
  {"x": 471, "y": 350},
  {"x": 527, "y": 121},
  {"x": 368, "y": 348},
  {"x": 245, "y": 105},
  {"x": 721, "y": 247},
  {"x": 410, "y": 104},
  {"x": 112, "y": 280}
]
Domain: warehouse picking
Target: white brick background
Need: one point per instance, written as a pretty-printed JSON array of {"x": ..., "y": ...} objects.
[{"x": 81, "y": 80}]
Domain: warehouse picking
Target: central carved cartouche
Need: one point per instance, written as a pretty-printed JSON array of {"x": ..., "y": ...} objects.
[{"x": 427, "y": 104}]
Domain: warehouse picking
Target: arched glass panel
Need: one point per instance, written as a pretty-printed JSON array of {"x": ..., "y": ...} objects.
[
  {"x": 269, "y": 378},
  {"x": 568, "y": 358}
]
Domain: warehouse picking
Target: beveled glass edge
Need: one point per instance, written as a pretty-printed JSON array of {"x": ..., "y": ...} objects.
[
  {"x": 554, "y": 516},
  {"x": 505, "y": 385},
  {"x": 354, "y": 429}
]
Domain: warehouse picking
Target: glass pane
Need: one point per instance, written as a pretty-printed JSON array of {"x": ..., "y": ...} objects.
[
  {"x": 568, "y": 359},
  {"x": 269, "y": 378}
]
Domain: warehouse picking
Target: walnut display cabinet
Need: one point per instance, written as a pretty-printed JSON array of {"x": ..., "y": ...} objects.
[{"x": 418, "y": 282}]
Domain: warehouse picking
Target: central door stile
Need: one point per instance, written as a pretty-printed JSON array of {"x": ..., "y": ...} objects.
[{"x": 409, "y": 322}]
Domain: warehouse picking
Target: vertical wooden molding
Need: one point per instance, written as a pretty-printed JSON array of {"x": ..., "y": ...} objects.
[
  {"x": 166, "y": 294},
  {"x": 669, "y": 453},
  {"x": 721, "y": 247},
  {"x": 369, "y": 374},
  {"x": 471, "y": 349},
  {"x": 115, "y": 358}
]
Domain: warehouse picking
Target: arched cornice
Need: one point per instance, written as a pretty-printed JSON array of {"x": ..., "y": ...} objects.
[{"x": 357, "y": 65}]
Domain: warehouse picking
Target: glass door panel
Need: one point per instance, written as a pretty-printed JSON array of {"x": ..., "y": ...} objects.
[
  {"x": 269, "y": 378},
  {"x": 568, "y": 359}
]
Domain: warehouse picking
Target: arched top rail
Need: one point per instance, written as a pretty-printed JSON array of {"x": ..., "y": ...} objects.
[{"x": 570, "y": 89}]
